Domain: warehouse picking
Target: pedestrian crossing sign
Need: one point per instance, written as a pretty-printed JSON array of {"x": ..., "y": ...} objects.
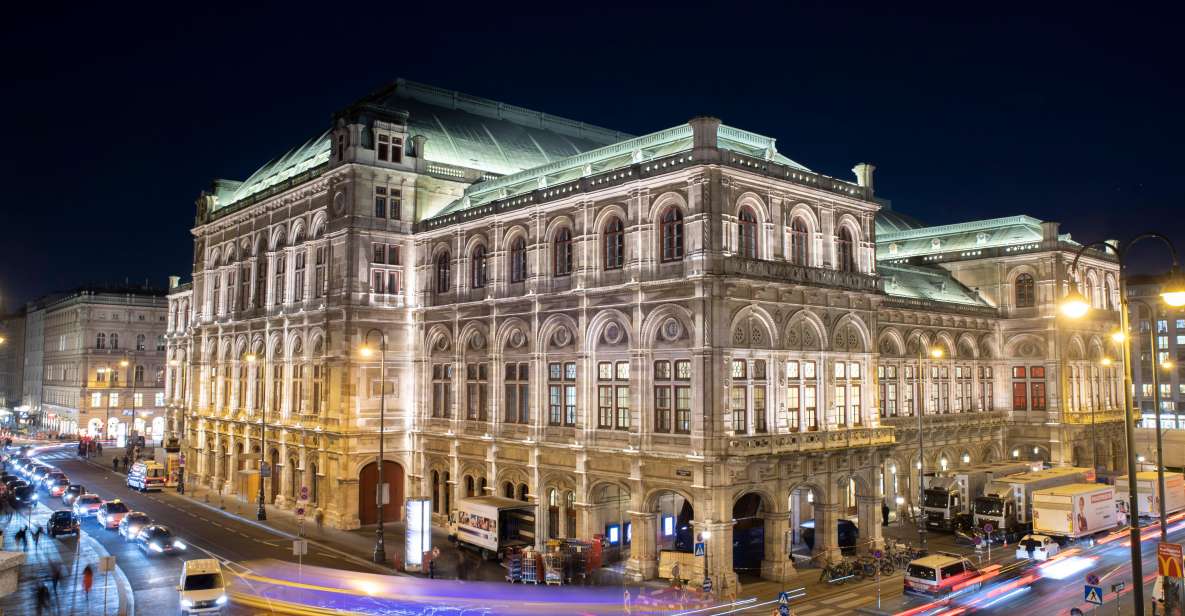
[
  {"x": 784, "y": 598},
  {"x": 1094, "y": 594},
  {"x": 699, "y": 549}
]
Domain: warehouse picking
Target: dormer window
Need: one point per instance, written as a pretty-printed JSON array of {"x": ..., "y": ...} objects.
[{"x": 390, "y": 148}]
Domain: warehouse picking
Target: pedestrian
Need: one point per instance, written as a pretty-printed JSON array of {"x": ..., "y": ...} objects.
[
  {"x": 115, "y": 464},
  {"x": 431, "y": 568},
  {"x": 99, "y": 448},
  {"x": 42, "y": 595},
  {"x": 57, "y": 574},
  {"x": 21, "y": 540},
  {"x": 37, "y": 537},
  {"x": 88, "y": 580},
  {"x": 884, "y": 513}
]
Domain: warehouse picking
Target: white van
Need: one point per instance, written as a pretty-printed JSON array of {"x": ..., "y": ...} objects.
[
  {"x": 202, "y": 587},
  {"x": 940, "y": 574},
  {"x": 146, "y": 475}
]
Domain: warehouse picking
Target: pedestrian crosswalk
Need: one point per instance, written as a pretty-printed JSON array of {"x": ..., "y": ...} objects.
[{"x": 843, "y": 603}]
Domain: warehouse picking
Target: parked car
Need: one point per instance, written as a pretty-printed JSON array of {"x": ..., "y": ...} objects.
[
  {"x": 158, "y": 539},
  {"x": 848, "y": 532},
  {"x": 87, "y": 505},
  {"x": 62, "y": 522},
  {"x": 111, "y": 513},
  {"x": 72, "y": 493},
  {"x": 132, "y": 524},
  {"x": 24, "y": 496},
  {"x": 58, "y": 488}
]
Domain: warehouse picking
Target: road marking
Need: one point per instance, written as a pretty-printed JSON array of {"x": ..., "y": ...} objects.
[
  {"x": 842, "y": 595},
  {"x": 851, "y": 603},
  {"x": 815, "y": 612}
]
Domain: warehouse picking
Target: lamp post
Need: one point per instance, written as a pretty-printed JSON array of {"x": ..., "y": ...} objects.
[
  {"x": 380, "y": 550},
  {"x": 131, "y": 379},
  {"x": 920, "y": 408},
  {"x": 260, "y": 511},
  {"x": 1075, "y": 306}
]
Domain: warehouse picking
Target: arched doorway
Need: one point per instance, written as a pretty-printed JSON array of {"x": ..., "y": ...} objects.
[
  {"x": 803, "y": 501},
  {"x": 748, "y": 535},
  {"x": 368, "y": 479},
  {"x": 674, "y": 515},
  {"x": 610, "y": 516},
  {"x": 293, "y": 477}
]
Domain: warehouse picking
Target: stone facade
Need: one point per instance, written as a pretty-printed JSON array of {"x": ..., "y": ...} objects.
[{"x": 678, "y": 335}]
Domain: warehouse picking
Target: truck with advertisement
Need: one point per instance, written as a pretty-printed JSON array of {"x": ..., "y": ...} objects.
[
  {"x": 1074, "y": 511},
  {"x": 1148, "y": 490},
  {"x": 492, "y": 524},
  {"x": 1007, "y": 503},
  {"x": 949, "y": 497}
]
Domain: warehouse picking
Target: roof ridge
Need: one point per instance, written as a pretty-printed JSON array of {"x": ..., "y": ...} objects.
[{"x": 958, "y": 227}]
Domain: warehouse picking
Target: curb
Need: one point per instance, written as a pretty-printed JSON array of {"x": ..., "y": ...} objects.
[{"x": 127, "y": 599}]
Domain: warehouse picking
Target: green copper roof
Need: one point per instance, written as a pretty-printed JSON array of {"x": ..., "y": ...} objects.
[
  {"x": 891, "y": 221},
  {"x": 961, "y": 237},
  {"x": 614, "y": 156},
  {"x": 931, "y": 283},
  {"x": 461, "y": 130}
]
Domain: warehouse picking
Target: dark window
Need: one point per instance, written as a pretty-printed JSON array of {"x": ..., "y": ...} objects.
[
  {"x": 442, "y": 273},
  {"x": 614, "y": 244},
  {"x": 845, "y": 253},
  {"x": 479, "y": 267},
  {"x": 799, "y": 242},
  {"x": 380, "y": 202},
  {"x": 563, "y": 252},
  {"x": 518, "y": 260},
  {"x": 672, "y": 234},
  {"x": 1026, "y": 294},
  {"x": 747, "y": 233}
]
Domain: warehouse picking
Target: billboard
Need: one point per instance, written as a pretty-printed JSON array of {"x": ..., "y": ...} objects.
[{"x": 419, "y": 532}]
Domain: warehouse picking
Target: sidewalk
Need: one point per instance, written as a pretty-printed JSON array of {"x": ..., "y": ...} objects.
[{"x": 40, "y": 559}]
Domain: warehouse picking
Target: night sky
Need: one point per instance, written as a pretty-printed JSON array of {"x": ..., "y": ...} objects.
[{"x": 117, "y": 117}]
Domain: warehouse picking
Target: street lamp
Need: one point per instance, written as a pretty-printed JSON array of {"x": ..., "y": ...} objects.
[
  {"x": 920, "y": 407},
  {"x": 1075, "y": 306},
  {"x": 380, "y": 550},
  {"x": 260, "y": 511}
]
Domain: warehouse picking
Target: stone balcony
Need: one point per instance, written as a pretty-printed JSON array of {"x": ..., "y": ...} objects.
[
  {"x": 807, "y": 442},
  {"x": 949, "y": 420}
]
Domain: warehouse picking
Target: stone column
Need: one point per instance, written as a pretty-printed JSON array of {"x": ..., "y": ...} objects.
[
  {"x": 718, "y": 555},
  {"x": 827, "y": 532},
  {"x": 232, "y": 466},
  {"x": 868, "y": 512},
  {"x": 643, "y": 562},
  {"x": 777, "y": 565}
]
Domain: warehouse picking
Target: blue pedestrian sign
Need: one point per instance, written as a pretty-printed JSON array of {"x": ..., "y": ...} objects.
[
  {"x": 784, "y": 604},
  {"x": 1094, "y": 594},
  {"x": 699, "y": 549}
]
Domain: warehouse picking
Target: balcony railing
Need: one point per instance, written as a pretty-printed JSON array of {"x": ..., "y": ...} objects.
[{"x": 805, "y": 442}]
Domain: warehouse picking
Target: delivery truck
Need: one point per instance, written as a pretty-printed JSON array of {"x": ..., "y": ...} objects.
[
  {"x": 1007, "y": 502},
  {"x": 1074, "y": 511},
  {"x": 1147, "y": 491},
  {"x": 492, "y": 524},
  {"x": 949, "y": 497}
]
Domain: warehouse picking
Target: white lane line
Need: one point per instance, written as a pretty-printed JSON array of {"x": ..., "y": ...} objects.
[{"x": 850, "y": 603}]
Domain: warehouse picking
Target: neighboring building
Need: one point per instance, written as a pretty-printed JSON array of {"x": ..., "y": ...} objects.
[
  {"x": 648, "y": 337},
  {"x": 32, "y": 385},
  {"x": 104, "y": 363},
  {"x": 12, "y": 362},
  {"x": 1156, "y": 325}
]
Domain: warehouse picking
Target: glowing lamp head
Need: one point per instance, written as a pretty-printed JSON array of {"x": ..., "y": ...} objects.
[
  {"x": 1167, "y": 364},
  {"x": 123, "y": 362},
  {"x": 250, "y": 358},
  {"x": 1074, "y": 305},
  {"x": 1173, "y": 291},
  {"x": 1106, "y": 361},
  {"x": 2, "y": 339},
  {"x": 366, "y": 351},
  {"x": 1118, "y": 337},
  {"x": 936, "y": 353}
]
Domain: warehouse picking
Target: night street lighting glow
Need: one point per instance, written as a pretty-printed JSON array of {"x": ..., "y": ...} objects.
[{"x": 1074, "y": 305}]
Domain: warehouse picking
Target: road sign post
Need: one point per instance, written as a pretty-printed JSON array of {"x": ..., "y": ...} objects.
[
  {"x": 784, "y": 604},
  {"x": 877, "y": 555},
  {"x": 106, "y": 564},
  {"x": 987, "y": 531},
  {"x": 1093, "y": 594}
]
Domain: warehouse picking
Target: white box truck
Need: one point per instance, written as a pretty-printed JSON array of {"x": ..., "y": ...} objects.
[
  {"x": 1147, "y": 490},
  {"x": 491, "y": 524},
  {"x": 1007, "y": 503},
  {"x": 1075, "y": 510},
  {"x": 949, "y": 497}
]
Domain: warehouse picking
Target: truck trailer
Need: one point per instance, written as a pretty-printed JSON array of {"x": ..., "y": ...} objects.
[
  {"x": 1074, "y": 510},
  {"x": 1147, "y": 491},
  {"x": 491, "y": 524},
  {"x": 950, "y": 496},
  {"x": 1007, "y": 503}
]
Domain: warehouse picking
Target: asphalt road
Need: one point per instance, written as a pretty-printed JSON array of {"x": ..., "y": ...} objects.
[{"x": 208, "y": 534}]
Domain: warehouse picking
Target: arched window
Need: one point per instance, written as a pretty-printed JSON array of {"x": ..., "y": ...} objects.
[
  {"x": 800, "y": 253},
  {"x": 747, "y": 233},
  {"x": 614, "y": 244},
  {"x": 469, "y": 486},
  {"x": 435, "y": 492},
  {"x": 563, "y": 252},
  {"x": 115, "y": 341},
  {"x": 1108, "y": 304},
  {"x": 845, "y": 251},
  {"x": 442, "y": 273},
  {"x": 140, "y": 342},
  {"x": 479, "y": 267},
  {"x": 518, "y": 260},
  {"x": 672, "y": 234},
  {"x": 101, "y": 341},
  {"x": 139, "y": 374},
  {"x": 1026, "y": 293}
]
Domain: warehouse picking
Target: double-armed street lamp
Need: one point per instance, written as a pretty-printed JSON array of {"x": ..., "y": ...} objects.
[
  {"x": 380, "y": 550},
  {"x": 1075, "y": 306}
]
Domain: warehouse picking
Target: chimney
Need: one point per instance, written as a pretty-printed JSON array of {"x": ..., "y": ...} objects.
[
  {"x": 703, "y": 139},
  {"x": 174, "y": 281},
  {"x": 1049, "y": 231},
  {"x": 863, "y": 173},
  {"x": 418, "y": 145}
]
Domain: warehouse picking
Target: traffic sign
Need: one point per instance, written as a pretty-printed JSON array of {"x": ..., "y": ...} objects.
[
  {"x": 1168, "y": 560},
  {"x": 1094, "y": 594},
  {"x": 877, "y": 554},
  {"x": 106, "y": 563},
  {"x": 304, "y": 493},
  {"x": 987, "y": 528},
  {"x": 300, "y": 547},
  {"x": 1117, "y": 587},
  {"x": 784, "y": 604},
  {"x": 265, "y": 470},
  {"x": 699, "y": 549},
  {"x": 783, "y": 610},
  {"x": 1092, "y": 579},
  {"x": 300, "y": 512}
]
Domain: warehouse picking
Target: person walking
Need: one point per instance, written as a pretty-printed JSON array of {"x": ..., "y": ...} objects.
[
  {"x": 115, "y": 464},
  {"x": 88, "y": 580},
  {"x": 37, "y": 537},
  {"x": 56, "y": 576},
  {"x": 42, "y": 596},
  {"x": 21, "y": 540}
]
